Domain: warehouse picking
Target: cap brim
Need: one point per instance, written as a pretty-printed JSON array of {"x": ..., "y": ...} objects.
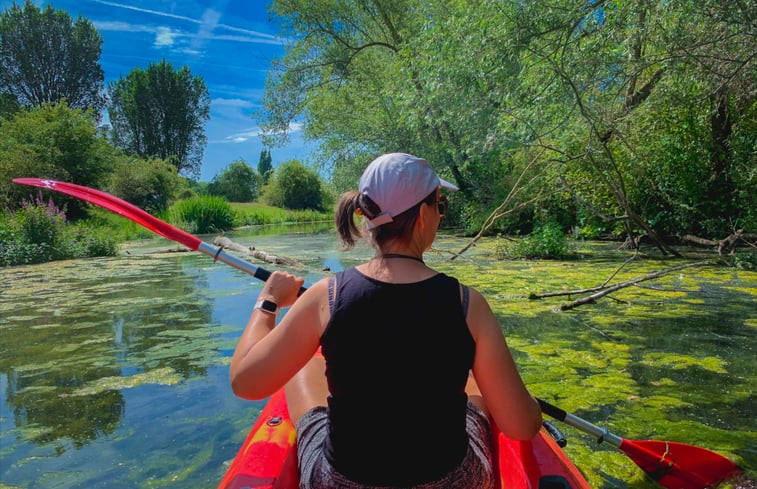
[{"x": 446, "y": 184}]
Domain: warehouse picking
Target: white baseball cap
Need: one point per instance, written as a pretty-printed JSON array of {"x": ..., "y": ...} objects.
[{"x": 396, "y": 182}]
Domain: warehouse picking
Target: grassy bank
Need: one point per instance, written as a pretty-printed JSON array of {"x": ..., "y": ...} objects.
[
  {"x": 253, "y": 213},
  {"x": 40, "y": 232}
]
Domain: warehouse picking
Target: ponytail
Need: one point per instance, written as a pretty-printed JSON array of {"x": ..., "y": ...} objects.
[{"x": 345, "y": 218}]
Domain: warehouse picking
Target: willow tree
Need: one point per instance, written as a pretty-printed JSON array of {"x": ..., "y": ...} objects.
[
  {"x": 430, "y": 78},
  {"x": 161, "y": 112},
  {"x": 517, "y": 99},
  {"x": 611, "y": 68},
  {"x": 358, "y": 73}
]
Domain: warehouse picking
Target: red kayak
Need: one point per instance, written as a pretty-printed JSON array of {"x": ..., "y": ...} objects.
[{"x": 267, "y": 459}]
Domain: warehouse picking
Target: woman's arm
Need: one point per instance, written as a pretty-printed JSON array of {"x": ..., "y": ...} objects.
[
  {"x": 266, "y": 357},
  {"x": 515, "y": 411}
]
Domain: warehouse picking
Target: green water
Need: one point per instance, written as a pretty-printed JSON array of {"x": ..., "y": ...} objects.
[{"x": 113, "y": 371}]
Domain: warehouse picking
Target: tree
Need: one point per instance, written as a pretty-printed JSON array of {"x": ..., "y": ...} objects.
[
  {"x": 296, "y": 187},
  {"x": 614, "y": 109},
  {"x": 51, "y": 141},
  {"x": 238, "y": 182},
  {"x": 46, "y": 56},
  {"x": 159, "y": 112},
  {"x": 429, "y": 78},
  {"x": 630, "y": 81},
  {"x": 265, "y": 165}
]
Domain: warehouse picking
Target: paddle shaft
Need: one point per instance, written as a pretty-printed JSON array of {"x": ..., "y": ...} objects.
[
  {"x": 601, "y": 433},
  {"x": 219, "y": 255}
]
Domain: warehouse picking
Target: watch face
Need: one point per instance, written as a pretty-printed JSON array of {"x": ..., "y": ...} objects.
[{"x": 268, "y": 305}]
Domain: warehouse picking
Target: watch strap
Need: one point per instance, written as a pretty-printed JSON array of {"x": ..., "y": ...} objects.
[{"x": 267, "y": 306}]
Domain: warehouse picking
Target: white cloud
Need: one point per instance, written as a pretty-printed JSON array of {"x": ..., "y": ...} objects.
[
  {"x": 165, "y": 37},
  {"x": 147, "y": 11},
  {"x": 121, "y": 26},
  {"x": 232, "y": 102},
  {"x": 246, "y": 135},
  {"x": 208, "y": 23}
]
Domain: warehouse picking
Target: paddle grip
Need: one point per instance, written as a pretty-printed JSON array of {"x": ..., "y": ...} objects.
[
  {"x": 555, "y": 433},
  {"x": 551, "y": 410}
]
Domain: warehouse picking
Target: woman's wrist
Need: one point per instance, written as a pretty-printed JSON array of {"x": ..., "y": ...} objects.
[{"x": 267, "y": 306}]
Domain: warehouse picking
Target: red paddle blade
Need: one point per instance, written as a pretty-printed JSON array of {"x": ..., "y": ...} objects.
[
  {"x": 679, "y": 466},
  {"x": 114, "y": 204}
]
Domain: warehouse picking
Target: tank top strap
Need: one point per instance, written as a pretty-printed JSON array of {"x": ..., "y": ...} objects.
[
  {"x": 331, "y": 285},
  {"x": 465, "y": 299}
]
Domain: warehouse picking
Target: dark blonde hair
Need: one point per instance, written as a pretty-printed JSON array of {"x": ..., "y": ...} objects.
[{"x": 353, "y": 201}]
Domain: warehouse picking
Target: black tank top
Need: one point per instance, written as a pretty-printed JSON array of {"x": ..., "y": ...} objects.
[{"x": 397, "y": 361}]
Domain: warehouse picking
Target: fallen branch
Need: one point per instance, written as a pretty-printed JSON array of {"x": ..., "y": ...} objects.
[
  {"x": 725, "y": 245},
  {"x": 594, "y": 297},
  {"x": 228, "y": 244},
  {"x": 585, "y": 291}
]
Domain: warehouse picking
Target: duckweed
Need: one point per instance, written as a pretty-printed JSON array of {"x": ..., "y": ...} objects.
[{"x": 116, "y": 369}]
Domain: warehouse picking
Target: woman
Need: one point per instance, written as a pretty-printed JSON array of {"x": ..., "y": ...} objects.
[{"x": 404, "y": 348}]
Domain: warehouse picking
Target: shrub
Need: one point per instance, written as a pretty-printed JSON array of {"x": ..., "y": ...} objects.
[
  {"x": 238, "y": 182},
  {"x": 295, "y": 187},
  {"x": 547, "y": 241},
  {"x": 203, "y": 214},
  {"x": 38, "y": 232},
  {"x": 147, "y": 183}
]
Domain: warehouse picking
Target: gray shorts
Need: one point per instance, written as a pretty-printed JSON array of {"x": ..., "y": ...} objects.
[{"x": 474, "y": 472}]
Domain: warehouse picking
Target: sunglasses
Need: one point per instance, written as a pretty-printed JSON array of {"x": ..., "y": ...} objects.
[{"x": 443, "y": 203}]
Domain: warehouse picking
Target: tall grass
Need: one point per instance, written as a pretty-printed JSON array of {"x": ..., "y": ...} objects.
[
  {"x": 254, "y": 214},
  {"x": 203, "y": 214}
]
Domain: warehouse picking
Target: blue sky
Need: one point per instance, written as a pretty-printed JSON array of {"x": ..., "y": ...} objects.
[{"x": 231, "y": 44}]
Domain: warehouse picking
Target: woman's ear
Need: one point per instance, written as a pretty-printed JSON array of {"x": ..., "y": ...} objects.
[{"x": 420, "y": 221}]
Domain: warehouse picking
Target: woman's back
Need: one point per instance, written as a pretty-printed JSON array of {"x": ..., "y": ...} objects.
[{"x": 397, "y": 359}]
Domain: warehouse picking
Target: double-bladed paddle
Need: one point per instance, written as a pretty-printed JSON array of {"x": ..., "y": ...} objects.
[{"x": 672, "y": 465}]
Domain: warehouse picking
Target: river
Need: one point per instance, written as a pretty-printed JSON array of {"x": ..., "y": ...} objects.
[{"x": 114, "y": 371}]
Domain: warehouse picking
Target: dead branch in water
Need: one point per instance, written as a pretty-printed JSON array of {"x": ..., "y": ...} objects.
[
  {"x": 727, "y": 244},
  {"x": 604, "y": 290},
  {"x": 228, "y": 244}
]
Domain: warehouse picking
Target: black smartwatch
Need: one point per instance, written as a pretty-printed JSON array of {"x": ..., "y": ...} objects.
[{"x": 267, "y": 306}]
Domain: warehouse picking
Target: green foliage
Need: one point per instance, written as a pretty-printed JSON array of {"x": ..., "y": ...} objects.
[
  {"x": 161, "y": 112},
  {"x": 295, "y": 187},
  {"x": 238, "y": 182},
  {"x": 188, "y": 188},
  {"x": 547, "y": 241},
  {"x": 147, "y": 183},
  {"x": 51, "y": 141},
  {"x": 641, "y": 115},
  {"x": 46, "y": 56},
  {"x": 8, "y": 105},
  {"x": 39, "y": 232},
  {"x": 265, "y": 166},
  {"x": 203, "y": 214},
  {"x": 745, "y": 261}
]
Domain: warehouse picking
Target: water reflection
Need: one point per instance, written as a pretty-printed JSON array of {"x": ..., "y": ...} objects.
[{"x": 74, "y": 334}]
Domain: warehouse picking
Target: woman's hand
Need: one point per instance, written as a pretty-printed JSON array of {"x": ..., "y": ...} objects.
[{"x": 281, "y": 288}]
